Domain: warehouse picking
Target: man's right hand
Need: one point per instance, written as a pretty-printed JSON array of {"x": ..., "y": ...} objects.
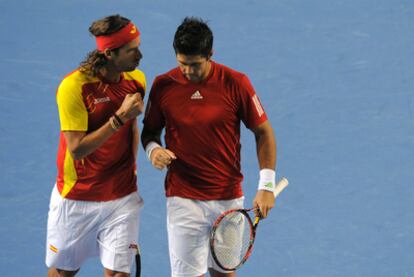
[
  {"x": 131, "y": 107},
  {"x": 161, "y": 157}
]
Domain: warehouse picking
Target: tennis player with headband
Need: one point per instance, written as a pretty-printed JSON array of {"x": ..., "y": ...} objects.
[
  {"x": 201, "y": 105},
  {"x": 95, "y": 205}
]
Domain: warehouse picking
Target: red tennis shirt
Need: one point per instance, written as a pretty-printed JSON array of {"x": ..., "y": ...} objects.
[
  {"x": 202, "y": 128},
  {"x": 85, "y": 104}
]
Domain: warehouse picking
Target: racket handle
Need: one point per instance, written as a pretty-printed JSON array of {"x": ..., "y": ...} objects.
[{"x": 281, "y": 185}]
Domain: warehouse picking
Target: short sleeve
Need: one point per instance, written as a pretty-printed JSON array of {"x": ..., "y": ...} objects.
[
  {"x": 72, "y": 111},
  {"x": 139, "y": 77},
  {"x": 251, "y": 110}
]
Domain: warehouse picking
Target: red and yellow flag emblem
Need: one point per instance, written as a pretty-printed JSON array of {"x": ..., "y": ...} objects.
[{"x": 54, "y": 249}]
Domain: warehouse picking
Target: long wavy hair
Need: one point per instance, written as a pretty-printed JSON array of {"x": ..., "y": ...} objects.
[{"x": 96, "y": 60}]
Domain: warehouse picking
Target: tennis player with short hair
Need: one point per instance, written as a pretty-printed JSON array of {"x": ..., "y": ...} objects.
[
  {"x": 95, "y": 205},
  {"x": 201, "y": 104}
]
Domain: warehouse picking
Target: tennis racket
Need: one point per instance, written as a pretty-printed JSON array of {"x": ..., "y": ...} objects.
[{"x": 233, "y": 234}]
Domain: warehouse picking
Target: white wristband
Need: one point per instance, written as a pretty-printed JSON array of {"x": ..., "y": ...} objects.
[
  {"x": 267, "y": 180},
  {"x": 151, "y": 146}
]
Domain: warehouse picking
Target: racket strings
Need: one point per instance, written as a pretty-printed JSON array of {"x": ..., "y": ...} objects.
[{"x": 232, "y": 239}]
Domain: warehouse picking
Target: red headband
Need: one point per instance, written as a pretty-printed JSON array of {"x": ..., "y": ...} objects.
[{"x": 117, "y": 39}]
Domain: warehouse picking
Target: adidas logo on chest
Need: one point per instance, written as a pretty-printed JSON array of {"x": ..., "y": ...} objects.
[{"x": 196, "y": 95}]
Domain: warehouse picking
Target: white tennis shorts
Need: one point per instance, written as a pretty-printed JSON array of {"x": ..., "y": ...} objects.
[
  {"x": 77, "y": 230},
  {"x": 189, "y": 223}
]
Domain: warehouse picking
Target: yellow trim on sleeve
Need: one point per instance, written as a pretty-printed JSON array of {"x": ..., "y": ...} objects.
[
  {"x": 137, "y": 75},
  {"x": 72, "y": 111}
]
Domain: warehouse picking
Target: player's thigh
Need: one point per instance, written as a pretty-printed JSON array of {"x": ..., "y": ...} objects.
[
  {"x": 71, "y": 232},
  {"x": 217, "y": 208},
  {"x": 118, "y": 234},
  {"x": 188, "y": 232}
]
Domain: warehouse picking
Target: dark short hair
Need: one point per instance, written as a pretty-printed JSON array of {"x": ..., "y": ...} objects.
[{"x": 193, "y": 37}]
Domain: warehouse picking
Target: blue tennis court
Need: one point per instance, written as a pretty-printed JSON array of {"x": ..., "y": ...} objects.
[{"x": 336, "y": 79}]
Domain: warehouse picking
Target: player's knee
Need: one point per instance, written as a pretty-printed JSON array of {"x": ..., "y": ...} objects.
[
  {"x": 112, "y": 273},
  {"x": 55, "y": 272}
]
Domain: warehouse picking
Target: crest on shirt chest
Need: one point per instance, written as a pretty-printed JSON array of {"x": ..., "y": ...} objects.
[{"x": 95, "y": 98}]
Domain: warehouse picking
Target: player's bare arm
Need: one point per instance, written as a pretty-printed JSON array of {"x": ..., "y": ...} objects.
[
  {"x": 266, "y": 153},
  {"x": 135, "y": 137},
  {"x": 81, "y": 144}
]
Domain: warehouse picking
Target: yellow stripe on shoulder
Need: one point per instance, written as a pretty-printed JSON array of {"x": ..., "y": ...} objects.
[
  {"x": 137, "y": 75},
  {"x": 72, "y": 111},
  {"x": 80, "y": 78}
]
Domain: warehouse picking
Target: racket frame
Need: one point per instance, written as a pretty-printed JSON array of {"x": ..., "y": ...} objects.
[
  {"x": 252, "y": 225},
  {"x": 280, "y": 186}
]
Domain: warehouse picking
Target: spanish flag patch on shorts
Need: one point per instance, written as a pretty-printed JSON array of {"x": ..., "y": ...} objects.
[{"x": 54, "y": 249}]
